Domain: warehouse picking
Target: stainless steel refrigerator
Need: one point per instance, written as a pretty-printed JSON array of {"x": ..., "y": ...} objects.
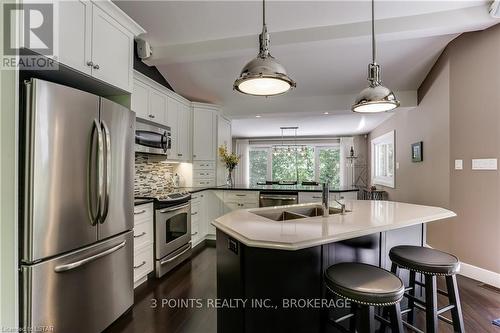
[{"x": 76, "y": 254}]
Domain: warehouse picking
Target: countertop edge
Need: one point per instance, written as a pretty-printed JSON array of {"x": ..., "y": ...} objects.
[{"x": 318, "y": 242}]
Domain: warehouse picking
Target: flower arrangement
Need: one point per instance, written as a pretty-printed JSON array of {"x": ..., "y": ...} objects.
[{"x": 231, "y": 160}]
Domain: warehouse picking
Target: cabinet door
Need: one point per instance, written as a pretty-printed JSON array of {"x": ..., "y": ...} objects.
[
  {"x": 140, "y": 100},
  {"x": 75, "y": 29},
  {"x": 172, "y": 121},
  {"x": 157, "y": 106},
  {"x": 204, "y": 135},
  {"x": 213, "y": 209},
  {"x": 112, "y": 50},
  {"x": 184, "y": 132}
]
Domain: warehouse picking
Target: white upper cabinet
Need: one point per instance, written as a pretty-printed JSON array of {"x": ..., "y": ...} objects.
[
  {"x": 172, "y": 120},
  {"x": 112, "y": 51},
  {"x": 223, "y": 138},
  {"x": 140, "y": 99},
  {"x": 157, "y": 106},
  {"x": 75, "y": 28},
  {"x": 204, "y": 132},
  {"x": 184, "y": 132},
  {"x": 97, "y": 38}
]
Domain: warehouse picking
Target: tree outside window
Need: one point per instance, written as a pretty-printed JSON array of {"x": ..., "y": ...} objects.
[{"x": 307, "y": 163}]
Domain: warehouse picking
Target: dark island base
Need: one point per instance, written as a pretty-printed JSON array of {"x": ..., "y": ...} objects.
[{"x": 282, "y": 291}]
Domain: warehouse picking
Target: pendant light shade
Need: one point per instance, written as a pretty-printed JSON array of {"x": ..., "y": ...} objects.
[
  {"x": 376, "y": 98},
  {"x": 264, "y": 75}
]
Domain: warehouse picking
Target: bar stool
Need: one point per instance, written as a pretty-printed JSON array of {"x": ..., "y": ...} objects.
[
  {"x": 431, "y": 263},
  {"x": 367, "y": 287}
]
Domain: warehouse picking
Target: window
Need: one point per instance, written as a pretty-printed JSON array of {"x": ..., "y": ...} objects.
[
  {"x": 311, "y": 163},
  {"x": 258, "y": 164},
  {"x": 382, "y": 160},
  {"x": 329, "y": 165}
]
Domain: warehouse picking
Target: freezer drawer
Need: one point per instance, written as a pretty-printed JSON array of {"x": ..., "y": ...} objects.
[{"x": 83, "y": 291}]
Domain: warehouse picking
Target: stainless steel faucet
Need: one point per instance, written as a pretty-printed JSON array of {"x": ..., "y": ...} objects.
[
  {"x": 342, "y": 207},
  {"x": 325, "y": 202}
]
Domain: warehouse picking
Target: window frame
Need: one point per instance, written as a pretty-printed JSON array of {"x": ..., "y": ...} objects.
[
  {"x": 316, "y": 147},
  {"x": 384, "y": 139}
]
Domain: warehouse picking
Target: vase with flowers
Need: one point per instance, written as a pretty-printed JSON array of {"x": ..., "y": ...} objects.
[{"x": 230, "y": 160}]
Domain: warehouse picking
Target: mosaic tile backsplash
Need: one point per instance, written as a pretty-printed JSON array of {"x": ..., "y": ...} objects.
[{"x": 153, "y": 175}]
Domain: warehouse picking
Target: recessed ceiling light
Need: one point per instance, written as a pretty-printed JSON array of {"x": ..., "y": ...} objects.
[
  {"x": 326, "y": 112},
  {"x": 258, "y": 116}
]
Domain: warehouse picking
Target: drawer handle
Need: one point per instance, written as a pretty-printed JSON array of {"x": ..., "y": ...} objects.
[
  {"x": 316, "y": 197},
  {"x": 196, "y": 233},
  {"x": 240, "y": 195},
  {"x": 179, "y": 154},
  {"x": 140, "y": 235},
  {"x": 193, "y": 214},
  {"x": 139, "y": 212},
  {"x": 73, "y": 265},
  {"x": 140, "y": 265}
]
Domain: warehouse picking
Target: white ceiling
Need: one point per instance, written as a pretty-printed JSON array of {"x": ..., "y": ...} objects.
[{"x": 201, "y": 47}]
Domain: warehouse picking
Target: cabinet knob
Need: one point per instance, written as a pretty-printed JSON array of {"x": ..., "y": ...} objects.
[
  {"x": 90, "y": 63},
  {"x": 194, "y": 155},
  {"x": 151, "y": 116},
  {"x": 96, "y": 66}
]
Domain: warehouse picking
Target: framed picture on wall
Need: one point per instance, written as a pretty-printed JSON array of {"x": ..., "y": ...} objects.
[{"x": 417, "y": 152}]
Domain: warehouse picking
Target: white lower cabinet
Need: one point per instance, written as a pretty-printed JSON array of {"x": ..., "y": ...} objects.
[
  {"x": 206, "y": 206},
  {"x": 143, "y": 242},
  {"x": 234, "y": 200}
]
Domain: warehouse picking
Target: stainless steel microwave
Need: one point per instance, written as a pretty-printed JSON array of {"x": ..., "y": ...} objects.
[{"x": 152, "y": 138}]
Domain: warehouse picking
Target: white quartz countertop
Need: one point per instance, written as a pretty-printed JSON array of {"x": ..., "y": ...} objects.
[{"x": 366, "y": 217}]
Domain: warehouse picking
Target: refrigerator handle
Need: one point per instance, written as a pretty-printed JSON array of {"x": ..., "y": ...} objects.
[
  {"x": 73, "y": 265},
  {"x": 107, "y": 160},
  {"x": 94, "y": 217}
]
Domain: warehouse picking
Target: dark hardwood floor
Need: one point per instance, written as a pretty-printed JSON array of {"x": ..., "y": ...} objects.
[{"x": 196, "y": 279}]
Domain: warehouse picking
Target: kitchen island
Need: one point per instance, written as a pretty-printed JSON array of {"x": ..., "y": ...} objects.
[{"x": 274, "y": 258}]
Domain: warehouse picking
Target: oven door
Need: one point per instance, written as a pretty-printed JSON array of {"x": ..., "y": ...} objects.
[{"x": 172, "y": 229}]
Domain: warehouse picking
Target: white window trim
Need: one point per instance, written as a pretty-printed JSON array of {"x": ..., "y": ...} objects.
[
  {"x": 317, "y": 147},
  {"x": 387, "y": 138}
]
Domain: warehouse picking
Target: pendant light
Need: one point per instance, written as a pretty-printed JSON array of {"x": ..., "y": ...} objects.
[
  {"x": 375, "y": 98},
  {"x": 264, "y": 75}
]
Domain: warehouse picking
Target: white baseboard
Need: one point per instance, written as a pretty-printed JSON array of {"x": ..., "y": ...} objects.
[{"x": 478, "y": 273}]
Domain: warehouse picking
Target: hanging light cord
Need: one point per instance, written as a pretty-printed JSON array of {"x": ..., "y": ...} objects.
[
  {"x": 374, "y": 50},
  {"x": 264, "y": 12}
]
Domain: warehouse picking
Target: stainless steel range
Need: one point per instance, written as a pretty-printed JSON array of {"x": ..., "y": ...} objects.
[{"x": 172, "y": 231}]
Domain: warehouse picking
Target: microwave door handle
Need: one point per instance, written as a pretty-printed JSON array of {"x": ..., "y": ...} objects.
[
  {"x": 94, "y": 217},
  {"x": 107, "y": 161},
  {"x": 75, "y": 264}
]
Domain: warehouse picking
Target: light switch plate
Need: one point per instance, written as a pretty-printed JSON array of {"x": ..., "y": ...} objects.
[
  {"x": 459, "y": 164},
  {"x": 397, "y": 165},
  {"x": 485, "y": 164}
]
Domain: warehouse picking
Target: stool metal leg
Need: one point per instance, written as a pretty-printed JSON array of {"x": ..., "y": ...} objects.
[
  {"x": 396, "y": 321},
  {"x": 366, "y": 321},
  {"x": 411, "y": 303},
  {"x": 386, "y": 311},
  {"x": 456, "y": 313},
  {"x": 431, "y": 308}
]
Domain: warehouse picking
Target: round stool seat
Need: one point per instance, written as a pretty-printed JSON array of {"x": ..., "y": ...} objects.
[
  {"x": 364, "y": 284},
  {"x": 424, "y": 260}
]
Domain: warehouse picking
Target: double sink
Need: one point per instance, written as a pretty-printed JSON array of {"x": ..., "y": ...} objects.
[{"x": 293, "y": 213}]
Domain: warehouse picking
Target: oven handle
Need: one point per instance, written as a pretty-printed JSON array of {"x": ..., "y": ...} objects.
[
  {"x": 167, "y": 210},
  {"x": 176, "y": 256}
]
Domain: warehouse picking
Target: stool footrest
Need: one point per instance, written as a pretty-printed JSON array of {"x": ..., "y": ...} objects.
[
  {"x": 446, "y": 308},
  {"x": 443, "y": 318},
  {"x": 421, "y": 284}
]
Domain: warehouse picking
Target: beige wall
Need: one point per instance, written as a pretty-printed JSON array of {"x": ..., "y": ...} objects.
[{"x": 458, "y": 117}]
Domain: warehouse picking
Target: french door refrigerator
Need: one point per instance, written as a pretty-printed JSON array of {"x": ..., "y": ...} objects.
[{"x": 76, "y": 246}]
